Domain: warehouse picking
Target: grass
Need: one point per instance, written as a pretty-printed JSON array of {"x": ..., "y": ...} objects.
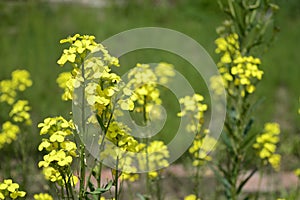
[{"x": 31, "y": 33}]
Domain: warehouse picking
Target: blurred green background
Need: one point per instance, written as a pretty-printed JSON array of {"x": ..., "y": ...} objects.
[{"x": 31, "y": 30}]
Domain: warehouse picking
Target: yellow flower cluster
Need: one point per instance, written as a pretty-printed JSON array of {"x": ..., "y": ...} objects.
[
  {"x": 191, "y": 197},
  {"x": 8, "y": 189},
  {"x": 80, "y": 46},
  {"x": 66, "y": 82},
  {"x": 149, "y": 158},
  {"x": 60, "y": 150},
  {"x": 118, "y": 134},
  {"x": 42, "y": 196},
  {"x": 239, "y": 73},
  {"x": 153, "y": 157},
  {"x": 142, "y": 86},
  {"x": 131, "y": 177},
  {"x": 99, "y": 94},
  {"x": 201, "y": 147},
  {"x": 297, "y": 172},
  {"x": 91, "y": 69},
  {"x": 103, "y": 198},
  {"x": 193, "y": 107},
  {"x": 266, "y": 145},
  {"x": 8, "y": 133},
  {"x": 20, "y": 80},
  {"x": 19, "y": 113}
]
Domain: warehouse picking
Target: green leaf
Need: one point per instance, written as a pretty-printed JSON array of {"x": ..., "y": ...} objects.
[
  {"x": 245, "y": 181},
  {"x": 226, "y": 141},
  {"x": 248, "y": 140},
  {"x": 91, "y": 186},
  {"x": 100, "y": 122},
  {"x": 143, "y": 197},
  {"x": 248, "y": 126},
  {"x": 98, "y": 191},
  {"x": 223, "y": 180},
  {"x": 140, "y": 196}
]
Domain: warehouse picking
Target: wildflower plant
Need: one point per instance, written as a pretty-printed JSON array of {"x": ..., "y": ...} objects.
[
  {"x": 10, "y": 90},
  {"x": 244, "y": 34},
  {"x": 199, "y": 151},
  {"x": 61, "y": 151},
  {"x": 15, "y": 120},
  {"x": 100, "y": 97}
]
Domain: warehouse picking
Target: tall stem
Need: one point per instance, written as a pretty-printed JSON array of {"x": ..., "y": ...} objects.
[
  {"x": 82, "y": 146},
  {"x": 117, "y": 180}
]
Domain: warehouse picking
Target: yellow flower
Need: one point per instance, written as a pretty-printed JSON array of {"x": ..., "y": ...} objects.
[
  {"x": 266, "y": 144},
  {"x": 131, "y": 177},
  {"x": 152, "y": 174},
  {"x": 8, "y": 133},
  {"x": 274, "y": 160},
  {"x": 43, "y": 196},
  {"x": 21, "y": 79},
  {"x": 52, "y": 174},
  {"x": 19, "y": 112},
  {"x": 191, "y": 197},
  {"x": 19, "y": 82},
  {"x": 242, "y": 71},
  {"x": 10, "y": 189},
  {"x": 65, "y": 81},
  {"x": 201, "y": 147},
  {"x": 193, "y": 107},
  {"x": 156, "y": 153},
  {"x": 7, "y": 92},
  {"x": 297, "y": 172}
]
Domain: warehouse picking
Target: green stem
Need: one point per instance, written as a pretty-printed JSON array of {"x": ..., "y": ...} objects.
[
  {"x": 117, "y": 180},
  {"x": 158, "y": 188},
  {"x": 197, "y": 181},
  {"x": 66, "y": 186},
  {"x": 259, "y": 184},
  {"x": 99, "y": 178},
  {"x": 82, "y": 147},
  {"x": 82, "y": 172}
]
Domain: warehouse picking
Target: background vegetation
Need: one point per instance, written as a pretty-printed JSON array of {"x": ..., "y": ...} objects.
[{"x": 30, "y": 33}]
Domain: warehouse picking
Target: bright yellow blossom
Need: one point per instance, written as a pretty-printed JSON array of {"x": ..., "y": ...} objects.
[
  {"x": 10, "y": 189},
  {"x": 19, "y": 112},
  {"x": 193, "y": 107},
  {"x": 8, "y": 133},
  {"x": 242, "y": 71},
  {"x": 43, "y": 196},
  {"x": 266, "y": 145},
  {"x": 191, "y": 197}
]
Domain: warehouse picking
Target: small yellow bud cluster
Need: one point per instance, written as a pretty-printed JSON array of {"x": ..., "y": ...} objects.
[
  {"x": 201, "y": 147},
  {"x": 60, "y": 150},
  {"x": 19, "y": 112},
  {"x": 266, "y": 145},
  {"x": 239, "y": 73},
  {"x": 42, "y": 196},
  {"x": 193, "y": 107},
  {"x": 131, "y": 177},
  {"x": 8, "y": 189}
]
